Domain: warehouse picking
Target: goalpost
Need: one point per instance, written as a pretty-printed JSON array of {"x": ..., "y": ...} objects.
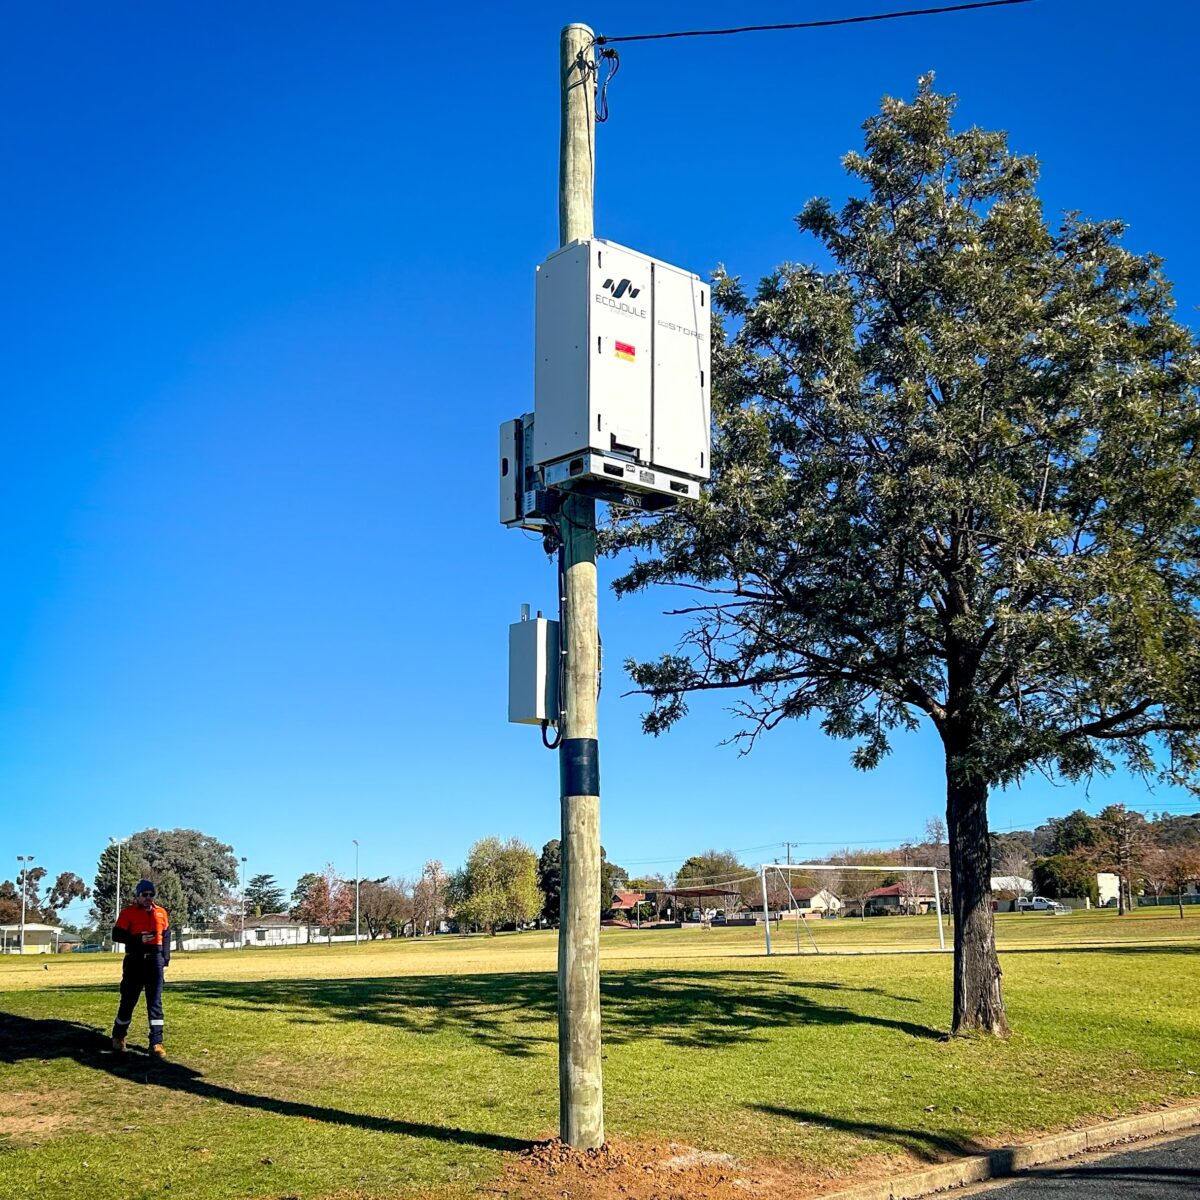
[{"x": 786, "y": 870}]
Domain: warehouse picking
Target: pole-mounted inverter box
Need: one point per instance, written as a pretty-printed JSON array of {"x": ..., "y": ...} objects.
[
  {"x": 622, "y": 372},
  {"x": 533, "y": 668}
]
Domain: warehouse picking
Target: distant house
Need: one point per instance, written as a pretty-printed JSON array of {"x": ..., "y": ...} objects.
[
  {"x": 814, "y": 902},
  {"x": 39, "y": 939},
  {"x": 626, "y": 901},
  {"x": 913, "y": 897},
  {"x": 276, "y": 929},
  {"x": 1012, "y": 886}
]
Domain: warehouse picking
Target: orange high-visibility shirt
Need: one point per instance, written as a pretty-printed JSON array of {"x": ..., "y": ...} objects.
[{"x": 136, "y": 920}]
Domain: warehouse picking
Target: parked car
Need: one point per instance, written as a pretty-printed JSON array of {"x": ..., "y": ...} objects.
[{"x": 1040, "y": 904}]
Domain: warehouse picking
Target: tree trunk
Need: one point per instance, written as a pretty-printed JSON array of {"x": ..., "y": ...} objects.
[{"x": 978, "y": 1004}]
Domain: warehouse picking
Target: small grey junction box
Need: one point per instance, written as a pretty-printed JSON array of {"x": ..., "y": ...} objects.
[
  {"x": 533, "y": 670},
  {"x": 621, "y": 373}
]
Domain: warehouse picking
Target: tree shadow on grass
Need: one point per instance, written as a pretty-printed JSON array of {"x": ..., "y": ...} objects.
[
  {"x": 25, "y": 1038},
  {"x": 513, "y": 1013},
  {"x": 921, "y": 1143}
]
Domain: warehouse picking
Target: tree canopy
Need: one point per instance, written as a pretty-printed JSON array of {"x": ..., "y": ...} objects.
[
  {"x": 954, "y": 479},
  {"x": 264, "y": 895},
  {"x": 205, "y": 867},
  {"x": 327, "y": 901},
  {"x": 549, "y": 880},
  {"x": 300, "y": 894},
  {"x": 169, "y": 893},
  {"x": 498, "y": 885},
  {"x": 385, "y": 905}
]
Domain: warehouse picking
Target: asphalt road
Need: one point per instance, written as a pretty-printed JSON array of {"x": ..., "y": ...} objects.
[{"x": 1166, "y": 1170}]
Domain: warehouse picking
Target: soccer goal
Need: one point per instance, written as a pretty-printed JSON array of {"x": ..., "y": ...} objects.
[{"x": 842, "y": 889}]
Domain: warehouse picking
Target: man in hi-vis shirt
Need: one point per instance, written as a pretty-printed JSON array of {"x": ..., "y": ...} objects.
[{"x": 145, "y": 930}]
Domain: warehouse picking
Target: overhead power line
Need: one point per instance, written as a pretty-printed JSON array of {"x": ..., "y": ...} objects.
[{"x": 603, "y": 40}]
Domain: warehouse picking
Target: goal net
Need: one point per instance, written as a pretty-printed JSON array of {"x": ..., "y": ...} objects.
[{"x": 798, "y": 899}]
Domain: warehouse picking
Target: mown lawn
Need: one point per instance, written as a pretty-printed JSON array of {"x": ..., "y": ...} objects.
[{"x": 400, "y": 1069}]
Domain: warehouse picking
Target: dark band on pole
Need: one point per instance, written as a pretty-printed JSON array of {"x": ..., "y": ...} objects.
[{"x": 579, "y": 767}]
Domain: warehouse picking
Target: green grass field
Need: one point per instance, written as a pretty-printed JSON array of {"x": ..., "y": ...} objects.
[{"x": 417, "y": 1068}]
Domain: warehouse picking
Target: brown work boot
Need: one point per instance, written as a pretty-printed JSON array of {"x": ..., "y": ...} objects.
[
  {"x": 119, "y": 1045},
  {"x": 158, "y": 1051}
]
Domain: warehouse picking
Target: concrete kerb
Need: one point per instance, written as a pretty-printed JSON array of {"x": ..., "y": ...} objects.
[{"x": 1012, "y": 1160}]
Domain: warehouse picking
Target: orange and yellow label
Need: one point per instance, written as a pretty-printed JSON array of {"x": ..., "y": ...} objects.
[{"x": 626, "y": 351}]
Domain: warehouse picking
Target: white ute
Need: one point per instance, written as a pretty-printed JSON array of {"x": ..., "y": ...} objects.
[{"x": 1040, "y": 904}]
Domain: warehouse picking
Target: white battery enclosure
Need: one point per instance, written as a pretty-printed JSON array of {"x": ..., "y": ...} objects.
[
  {"x": 622, "y": 360},
  {"x": 533, "y": 671}
]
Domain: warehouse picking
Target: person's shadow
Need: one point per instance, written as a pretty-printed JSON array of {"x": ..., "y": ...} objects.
[{"x": 24, "y": 1038}]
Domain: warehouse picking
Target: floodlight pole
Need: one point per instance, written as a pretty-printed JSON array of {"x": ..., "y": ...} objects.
[
  {"x": 242, "y": 906},
  {"x": 580, "y": 1081},
  {"x": 24, "y": 860},
  {"x": 356, "y": 891}
]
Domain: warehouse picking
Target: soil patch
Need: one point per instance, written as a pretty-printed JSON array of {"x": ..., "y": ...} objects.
[
  {"x": 637, "y": 1171},
  {"x": 28, "y": 1117}
]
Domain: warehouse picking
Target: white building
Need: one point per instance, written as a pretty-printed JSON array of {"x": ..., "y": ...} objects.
[
  {"x": 814, "y": 902},
  {"x": 1014, "y": 885},
  {"x": 39, "y": 939},
  {"x": 1108, "y": 884},
  {"x": 277, "y": 929}
]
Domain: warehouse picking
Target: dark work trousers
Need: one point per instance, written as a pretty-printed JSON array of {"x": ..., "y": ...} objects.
[{"x": 140, "y": 972}]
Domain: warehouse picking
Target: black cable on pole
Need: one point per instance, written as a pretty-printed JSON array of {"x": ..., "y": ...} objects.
[
  {"x": 614, "y": 65},
  {"x": 553, "y": 744},
  {"x": 603, "y": 40}
]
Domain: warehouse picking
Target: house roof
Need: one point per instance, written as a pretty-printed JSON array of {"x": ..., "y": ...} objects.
[
  {"x": 278, "y": 920},
  {"x": 1011, "y": 883},
  {"x": 30, "y": 927},
  {"x": 627, "y": 899},
  {"x": 802, "y": 893},
  {"x": 901, "y": 889}
]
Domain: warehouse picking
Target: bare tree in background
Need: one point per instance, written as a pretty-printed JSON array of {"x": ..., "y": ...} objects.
[
  {"x": 429, "y": 897},
  {"x": 385, "y": 904},
  {"x": 329, "y": 902}
]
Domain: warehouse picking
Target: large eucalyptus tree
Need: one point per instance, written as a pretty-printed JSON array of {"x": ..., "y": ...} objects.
[{"x": 955, "y": 478}]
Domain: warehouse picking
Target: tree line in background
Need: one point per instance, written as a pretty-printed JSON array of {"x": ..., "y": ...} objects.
[
  {"x": 196, "y": 876},
  {"x": 44, "y": 904},
  {"x": 1156, "y": 855},
  {"x": 504, "y": 884}
]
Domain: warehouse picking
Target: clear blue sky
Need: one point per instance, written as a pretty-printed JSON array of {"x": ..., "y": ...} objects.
[{"x": 269, "y": 283}]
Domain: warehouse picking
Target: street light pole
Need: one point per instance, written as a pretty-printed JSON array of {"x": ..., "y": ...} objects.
[
  {"x": 356, "y": 890},
  {"x": 116, "y": 841},
  {"x": 24, "y": 860},
  {"x": 242, "y": 943}
]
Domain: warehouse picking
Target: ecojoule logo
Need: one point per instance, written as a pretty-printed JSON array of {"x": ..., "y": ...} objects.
[
  {"x": 618, "y": 290},
  {"x": 620, "y": 293}
]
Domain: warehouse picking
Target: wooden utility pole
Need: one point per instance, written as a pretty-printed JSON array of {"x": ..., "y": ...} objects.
[{"x": 580, "y": 1084}]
